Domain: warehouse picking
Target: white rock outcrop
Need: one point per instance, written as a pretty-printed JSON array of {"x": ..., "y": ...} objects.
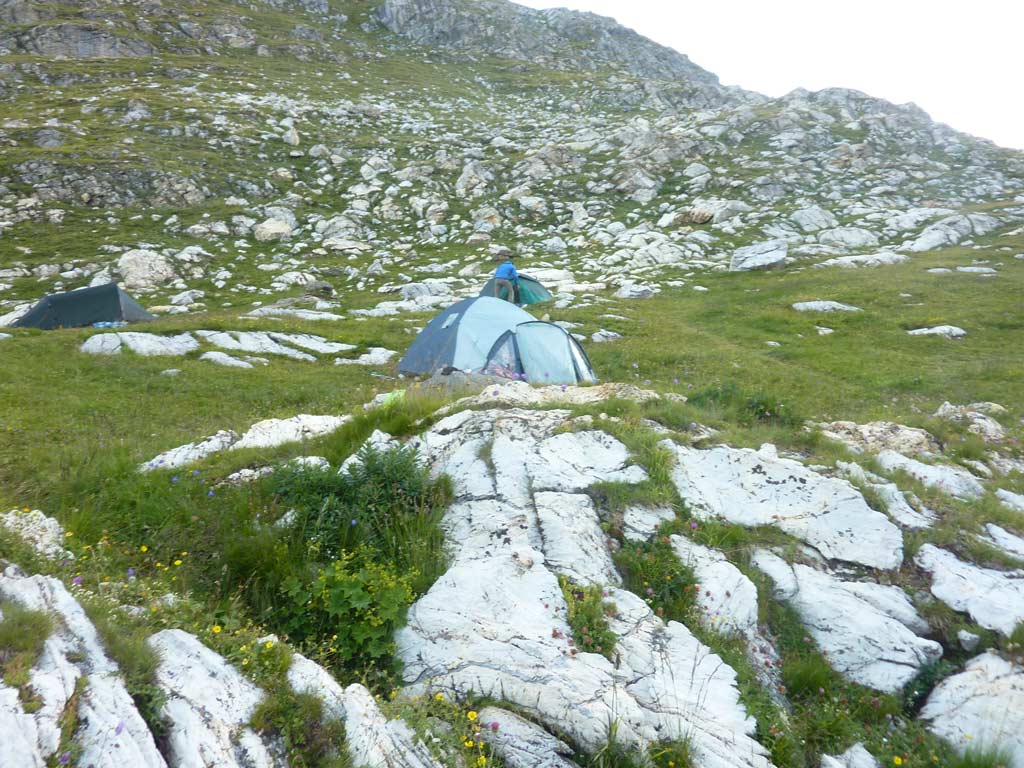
[
  {"x": 994, "y": 599},
  {"x": 495, "y": 623},
  {"x": 880, "y": 435},
  {"x": 110, "y": 732},
  {"x": 43, "y": 533},
  {"x": 981, "y": 708},
  {"x": 270, "y": 433},
  {"x": 374, "y": 740},
  {"x": 869, "y": 630},
  {"x": 759, "y": 488},
  {"x": 191, "y": 452},
  {"x": 727, "y": 599},
  {"x": 146, "y": 344},
  {"x": 209, "y": 705},
  {"x": 955, "y": 481},
  {"x": 522, "y": 744}
]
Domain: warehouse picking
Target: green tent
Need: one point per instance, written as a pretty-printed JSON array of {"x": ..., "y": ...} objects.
[
  {"x": 86, "y": 306},
  {"x": 530, "y": 291}
]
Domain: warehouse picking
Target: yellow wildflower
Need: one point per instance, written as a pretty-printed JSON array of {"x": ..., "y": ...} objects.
[
  {"x": 468, "y": 744},
  {"x": 143, "y": 548},
  {"x": 438, "y": 696},
  {"x": 177, "y": 562},
  {"x": 216, "y": 629},
  {"x": 269, "y": 644},
  {"x": 481, "y": 761},
  {"x": 897, "y": 760},
  {"x": 471, "y": 715}
]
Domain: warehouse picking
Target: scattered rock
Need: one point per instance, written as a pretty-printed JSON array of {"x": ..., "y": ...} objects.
[
  {"x": 946, "y": 331},
  {"x": 824, "y": 306},
  {"x": 767, "y": 255}
]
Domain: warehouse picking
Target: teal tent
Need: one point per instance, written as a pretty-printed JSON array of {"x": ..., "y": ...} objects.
[
  {"x": 494, "y": 337},
  {"x": 530, "y": 290}
]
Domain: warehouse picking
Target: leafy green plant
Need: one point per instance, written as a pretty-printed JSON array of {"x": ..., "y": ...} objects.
[
  {"x": 588, "y": 617},
  {"x": 351, "y": 609},
  {"x": 385, "y": 501}
]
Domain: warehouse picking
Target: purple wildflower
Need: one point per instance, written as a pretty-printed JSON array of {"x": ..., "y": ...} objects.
[
  {"x": 131, "y": 573},
  {"x": 77, "y": 581}
]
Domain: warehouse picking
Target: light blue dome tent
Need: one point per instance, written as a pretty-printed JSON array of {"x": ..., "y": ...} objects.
[{"x": 491, "y": 336}]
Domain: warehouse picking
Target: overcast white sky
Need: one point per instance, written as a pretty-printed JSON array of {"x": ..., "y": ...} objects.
[{"x": 962, "y": 62}]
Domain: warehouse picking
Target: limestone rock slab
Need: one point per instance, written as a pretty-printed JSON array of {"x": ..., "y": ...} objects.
[
  {"x": 994, "y": 599},
  {"x": 758, "y": 488},
  {"x": 949, "y": 479},
  {"x": 868, "y": 629}
]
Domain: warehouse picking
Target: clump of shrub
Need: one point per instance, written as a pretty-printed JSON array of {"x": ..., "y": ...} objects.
[
  {"x": 386, "y": 501},
  {"x": 588, "y": 617},
  {"x": 360, "y": 547},
  {"x": 350, "y": 609}
]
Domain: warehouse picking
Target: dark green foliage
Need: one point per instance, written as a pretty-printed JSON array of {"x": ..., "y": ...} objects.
[
  {"x": 311, "y": 740},
  {"x": 350, "y": 610},
  {"x": 588, "y": 617},
  {"x": 931, "y": 674},
  {"x": 386, "y": 502}
]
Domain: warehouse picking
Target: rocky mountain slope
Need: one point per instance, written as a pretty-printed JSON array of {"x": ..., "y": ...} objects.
[{"x": 795, "y": 538}]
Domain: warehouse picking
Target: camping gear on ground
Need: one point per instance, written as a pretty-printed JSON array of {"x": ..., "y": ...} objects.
[
  {"x": 461, "y": 336},
  {"x": 540, "y": 353},
  {"x": 102, "y": 304},
  {"x": 491, "y": 336},
  {"x": 530, "y": 291}
]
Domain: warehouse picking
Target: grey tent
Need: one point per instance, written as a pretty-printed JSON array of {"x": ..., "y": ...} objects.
[
  {"x": 461, "y": 336},
  {"x": 540, "y": 353},
  {"x": 104, "y": 303},
  {"x": 530, "y": 290},
  {"x": 492, "y": 336}
]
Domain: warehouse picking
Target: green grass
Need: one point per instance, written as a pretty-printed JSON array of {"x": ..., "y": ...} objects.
[
  {"x": 22, "y": 635},
  {"x": 588, "y": 612}
]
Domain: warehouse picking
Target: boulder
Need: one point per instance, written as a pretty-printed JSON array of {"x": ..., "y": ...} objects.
[
  {"x": 813, "y": 218},
  {"x": 273, "y": 432},
  {"x": 848, "y": 237},
  {"x": 770, "y": 254},
  {"x": 880, "y": 259},
  {"x": 946, "y": 331},
  {"x": 977, "y": 421},
  {"x": 143, "y": 270},
  {"x": 191, "y": 452},
  {"x": 272, "y": 229}
]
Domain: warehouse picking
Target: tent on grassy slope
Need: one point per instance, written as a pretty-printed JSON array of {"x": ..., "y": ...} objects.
[
  {"x": 461, "y": 336},
  {"x": 104, "y": 303},
  {"x": 491, "y": 336},
  {"x": 530, "y": 290},
  {"x": 540, "y": 353}
]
